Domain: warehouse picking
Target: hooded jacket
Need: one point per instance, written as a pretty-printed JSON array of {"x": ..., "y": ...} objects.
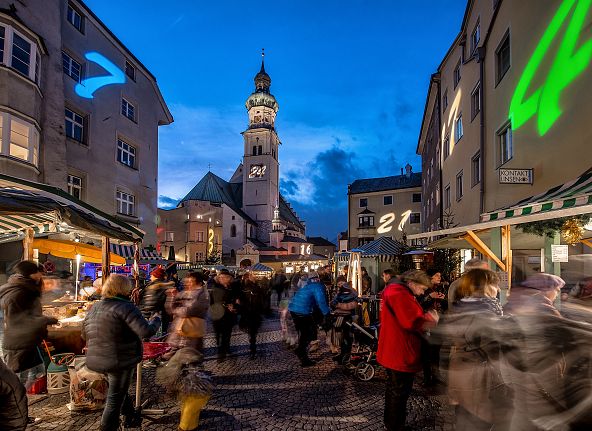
[
  {"x": 25, "y": 325},
  {"x": 401, "y": 322},
  {"x": 154, "y": 297}
]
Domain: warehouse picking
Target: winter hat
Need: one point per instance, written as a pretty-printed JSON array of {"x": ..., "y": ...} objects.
[
  {"x": 224, "y": 271},
  {"x": 158, "y": 273},
  {"x": 543, "y": 282},
  {"x": 417, "y": 276},
  {"x": 26, "y": 268}
]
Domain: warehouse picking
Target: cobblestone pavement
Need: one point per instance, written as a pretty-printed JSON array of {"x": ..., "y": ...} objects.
[{"x": 271, "y": 392}]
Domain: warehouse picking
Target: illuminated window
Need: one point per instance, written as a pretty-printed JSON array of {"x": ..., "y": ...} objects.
[
  {"x": 445, "y": 101},
  {"x": 75, "y": 18},
  {"x": 126, "y": 203},
  {"x": 459, "y": 186},
  {"x": 416, "y": 197},
  {"x": 458, "y": 129},
  {"x": 387, "y": 200},
  {"x": 126, "y": 154},
  {"x": 233, "y": 231},
  {"x": 476, "y": 169},
  {"x": 504, "y": 144},
  {"x": 363, "y": 202},
  {"x": 74, "y": 125},
  {"x": 71, "y": 67},
  {"x": 19, "y": 53},
  {"x": 447, "y": 197},
  {"x": 199, "y": 236},
  {"x": 18, "y": 139},
  {"x": 476, "y": 101},
  {"x": 502, "y": 56},
  {"x": 446, "y": 147},
  {"x": 130, "y": 70},
  {"x": 366, "y": 221},
  {"x": 128, "y": 110},
  {"x": 415, "y": 218},
  {"x": 475, "y": 37},
  {"x": 75, "y": 186},
  {"x": 457, "y": 76},
  {"x": 169, "y": 236}
]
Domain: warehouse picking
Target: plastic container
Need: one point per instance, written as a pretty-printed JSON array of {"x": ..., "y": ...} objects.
[{"x": 58, "y": 377}]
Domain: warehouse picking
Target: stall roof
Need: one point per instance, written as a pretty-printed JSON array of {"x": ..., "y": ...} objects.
[
  {"x": 127, "y": 251},
  {"x": 260, "y": 267},
  {"x": 69, "y": 250},
  {"x": 383, "y": 246},
  {"x": 46, "y": 209}
]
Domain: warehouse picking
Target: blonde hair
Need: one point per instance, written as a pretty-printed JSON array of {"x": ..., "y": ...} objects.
[
  {"x": 116, "y": 285},
  {"x": 478, "y": 282},
  {"x": 417, "y": 276}
]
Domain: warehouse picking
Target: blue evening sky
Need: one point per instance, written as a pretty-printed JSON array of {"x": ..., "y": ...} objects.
[{"x": 350, "y": 77}]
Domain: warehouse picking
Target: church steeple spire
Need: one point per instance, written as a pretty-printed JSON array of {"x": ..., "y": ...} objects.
[{"x": 262, "y": 79}]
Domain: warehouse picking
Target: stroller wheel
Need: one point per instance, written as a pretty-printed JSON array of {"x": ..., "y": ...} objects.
[
  {"x": 365, "y": 371},
  {"x": 345, "y": 359}
]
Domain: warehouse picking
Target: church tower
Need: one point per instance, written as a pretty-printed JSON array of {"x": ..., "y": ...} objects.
[{"x": 261, "y": 166}]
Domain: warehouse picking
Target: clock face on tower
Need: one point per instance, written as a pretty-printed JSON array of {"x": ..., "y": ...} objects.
[{"x": 257, "y": 171}]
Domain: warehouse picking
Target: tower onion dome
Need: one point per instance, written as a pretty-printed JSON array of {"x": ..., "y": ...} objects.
[{"x": 261, "y": 96}]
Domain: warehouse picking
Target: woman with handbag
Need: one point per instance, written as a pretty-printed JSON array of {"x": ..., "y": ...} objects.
[
  {"x": 189, "y": 309},
  {"x": 475, "y": 383},
  {"x": 344, "y": 309}
]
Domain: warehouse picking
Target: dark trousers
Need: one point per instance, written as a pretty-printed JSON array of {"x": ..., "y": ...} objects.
[
  {"x": 307, "y": 331},
  {"x": 398, "y": 390},
  {"x": 223, "y": 329},
  {"x": 466, "y": 421},
  {"x": 253, "y": 331},
  {"x": 118, "y": 401}
]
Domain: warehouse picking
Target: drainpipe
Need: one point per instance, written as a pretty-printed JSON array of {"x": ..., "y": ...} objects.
[
  {"x": 481, "y": 60},
  {"x": 436, "y": 79}
]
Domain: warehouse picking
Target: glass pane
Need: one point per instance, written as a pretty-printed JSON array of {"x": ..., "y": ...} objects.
[
  {"x": 2, "y": 33},
  {"x": 21, "y": 52},
  {"x": 78, "y": 133},
  {"x": 19, "y": 134}
]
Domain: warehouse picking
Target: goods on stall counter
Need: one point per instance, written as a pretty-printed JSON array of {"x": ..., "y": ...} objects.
[{"x": 88, "y": 389}]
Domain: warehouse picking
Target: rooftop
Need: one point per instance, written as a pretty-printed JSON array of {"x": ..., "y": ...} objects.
[
  {"x": 394, "y": 182},
  {"x": 320, "y": 241}
]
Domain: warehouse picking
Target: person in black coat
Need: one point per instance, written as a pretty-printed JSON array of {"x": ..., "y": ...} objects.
[
  {"x": 252, "y": 306},
  {"x": 25, "y": 325},
  {"x": 224, "y": 299},
  {"x": 13, "y": 399},
  {"x": 113, "y": 329}
]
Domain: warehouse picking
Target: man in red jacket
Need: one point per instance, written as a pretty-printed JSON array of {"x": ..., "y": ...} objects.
[{"x": 402, "y": 321}]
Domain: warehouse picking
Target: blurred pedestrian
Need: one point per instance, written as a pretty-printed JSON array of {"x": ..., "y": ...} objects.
[
  {"x": 432, "y": 299},
  {"x": 224, "y": 300},
  {"x": 189, "y": 309},
  {"x": 13, "y": 399},
  {"x": 475, "y": 382},
  {"x": 25, "y": 326},
  {"x": 344, "y": 309},
  {"x": 153, "y": 297},
  {"x": 114, "y": 329},
  {"x": 402, "y": 321},
  {"x": 252, "y": 306},
  {"x": 366, "y": 283},
  {"x": 474, "y": 263},
  {"x": 301, "y": 308},
  {"x": 278, "y": 284}
]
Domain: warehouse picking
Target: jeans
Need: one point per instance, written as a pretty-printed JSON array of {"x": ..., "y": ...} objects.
[
  {"x": 118, "y": 400},
  {"x": 307, "y": 331},
  {"x": 398, "y": 390}
]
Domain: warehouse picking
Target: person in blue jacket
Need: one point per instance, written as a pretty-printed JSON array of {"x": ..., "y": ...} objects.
[{"x": 301, "y": 308}]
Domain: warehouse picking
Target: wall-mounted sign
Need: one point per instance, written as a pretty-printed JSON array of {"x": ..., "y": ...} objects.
[
  {"x": 559, "y": 253},
  {"x": 305, "y": 249},
  {"x": 257, "y": 171},
  {"x": 387, "y": 220},
  {"x": 87, "y": 87},
  {"x": 210, "y": 241},
  {"x": 515, "y": 176}
]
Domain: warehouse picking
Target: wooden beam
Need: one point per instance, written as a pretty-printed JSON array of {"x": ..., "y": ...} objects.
[
  {"x": 476, "y": 242},
  {"x": 28, "y": 244},
  {"x": 105, "y": 259},
  {"x": 586, "y": 242}
]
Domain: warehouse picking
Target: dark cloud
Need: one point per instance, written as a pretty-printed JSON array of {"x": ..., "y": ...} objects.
[
  {"x": 166, "y": 202},
  {"x": 289, "y": 187}
]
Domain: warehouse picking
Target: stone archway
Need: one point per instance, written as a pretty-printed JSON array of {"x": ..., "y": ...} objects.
[{"x": 245, "y": 263}]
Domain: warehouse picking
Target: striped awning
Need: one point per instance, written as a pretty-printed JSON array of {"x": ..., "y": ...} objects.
[
  {"x": 383, "y": 246},
  {"x": 41, "y": 223},
  {"x": 127, "y": 251},
  {"x": 573, "y": 194},
  {"x": 260, "y": 267}
]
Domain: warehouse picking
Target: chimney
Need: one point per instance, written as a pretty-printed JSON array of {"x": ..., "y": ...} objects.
[
  {"x": 401, "y": 171},
  {"x": 408, "y": 170}
]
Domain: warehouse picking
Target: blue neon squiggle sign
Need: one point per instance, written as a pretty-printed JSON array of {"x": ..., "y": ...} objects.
[{"x": 87, "y": 87}]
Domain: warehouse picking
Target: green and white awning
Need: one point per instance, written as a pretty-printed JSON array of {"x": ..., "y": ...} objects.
[{"x": 573, "y": 194}]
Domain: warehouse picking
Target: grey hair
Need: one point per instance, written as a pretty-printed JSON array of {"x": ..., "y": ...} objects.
[{"x": 476, "y": 263}]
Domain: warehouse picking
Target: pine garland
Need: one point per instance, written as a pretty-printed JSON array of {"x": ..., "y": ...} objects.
[{"x": 551, "y": 227}]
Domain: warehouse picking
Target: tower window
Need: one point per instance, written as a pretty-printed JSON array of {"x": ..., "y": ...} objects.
[
  {"x": 260, "y": 149},
  {"x": 233, "y": 231},
  {"x": 254, "y": 150}
]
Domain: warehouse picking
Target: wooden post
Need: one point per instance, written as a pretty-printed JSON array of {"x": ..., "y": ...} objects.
[
  {"x": 136, "y": 266},
  {"x": 105, "y": 259},
  {"x": 28, "y": 244}
]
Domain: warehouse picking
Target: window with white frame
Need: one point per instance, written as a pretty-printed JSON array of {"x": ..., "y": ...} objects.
[
  {"x": 71, "y": 67},
  {"x": 446, "y": 147},
  {"x": 447, "y": 197},
  {"x": 74, "y": 125},
  {"x": 502, "y": 58},
  {"x": 458, "y": 129},
  {"x": 75, "y": 186},
  {"x": 475, "y": 37},
  {"x": 169, "y": 236},
  {"x": 18, "y": 138},
  {"x": 126, "y": 203},
  {"x": 130, "y": 70},
  {"x": 126, "y": 154},
  {"x": 19, "y": 53},
  {"x": 366, "y": 221},
  {"x": 457, "y": 74},
  {"x": 415, "y": 218},
  {"x": 128, "y": 110},
  {"x": 459, "y": 186},
  {"x": 387, "y": 200},
  {"x": 363, "y": 202},
  {"x": 75, "y": 18},
  {"x": 416, "y": 197},
  {"x": 476, "y": 169},
  {"x": 200, "y": 236},
  {"x": 476, "y": 101},
  {"x": 504, "y": 144}
]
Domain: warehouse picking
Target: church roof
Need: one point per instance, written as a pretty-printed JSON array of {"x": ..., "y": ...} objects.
[
  {"x": 385, "y": 183},
  {"x": 288, "y": 238},
  {"x": 320, "y": 241},
  {"x": 288, "y": 214},
  {"x": 214, "y": 189}
]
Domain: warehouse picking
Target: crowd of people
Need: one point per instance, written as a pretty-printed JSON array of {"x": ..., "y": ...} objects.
[{"x": 523, "y": 365}]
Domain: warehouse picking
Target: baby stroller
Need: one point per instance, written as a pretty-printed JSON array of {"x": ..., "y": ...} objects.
[{"x": 362, "y": 360}]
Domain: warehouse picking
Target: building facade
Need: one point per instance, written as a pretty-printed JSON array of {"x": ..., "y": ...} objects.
[
  {"x": 388, "y": 206},
  {"x": 65, "y": 123},
  {"x": 511, "y": 108}
]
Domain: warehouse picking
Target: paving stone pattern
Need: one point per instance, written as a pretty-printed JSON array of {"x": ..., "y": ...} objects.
[{"x": 271, "y": 392}]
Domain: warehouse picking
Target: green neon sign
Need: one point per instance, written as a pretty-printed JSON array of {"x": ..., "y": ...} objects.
[{"x": 569, "y": 62}]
